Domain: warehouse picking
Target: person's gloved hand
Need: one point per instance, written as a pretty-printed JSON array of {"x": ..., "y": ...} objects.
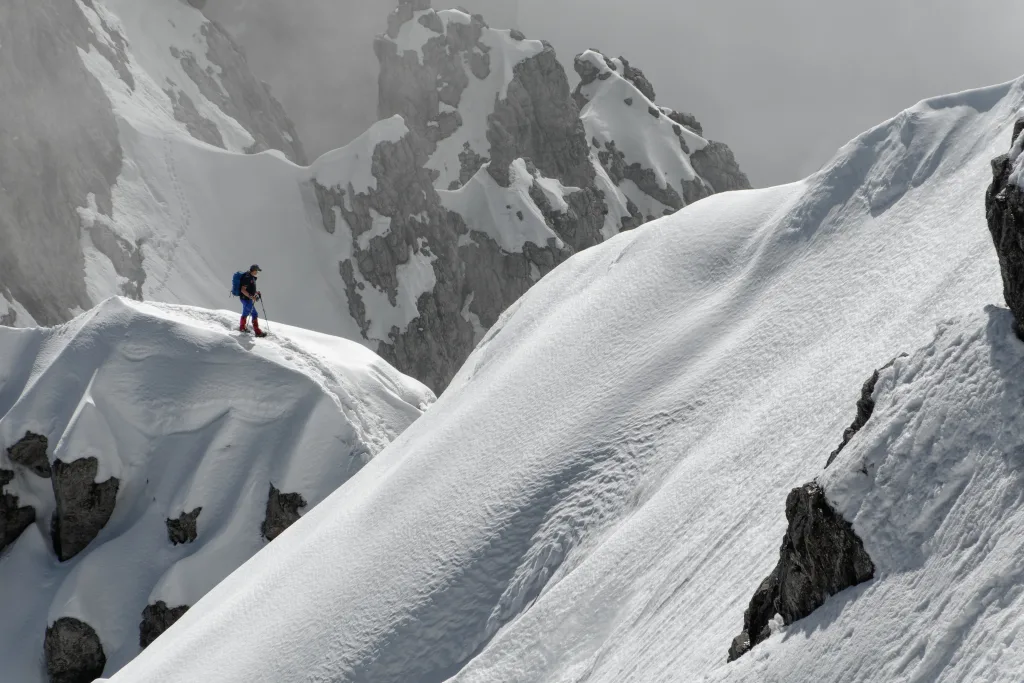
[{"x": 259, "y": 296}]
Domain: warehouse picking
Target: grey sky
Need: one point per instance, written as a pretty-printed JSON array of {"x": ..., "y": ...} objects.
[{"x": 783, "y": 82}]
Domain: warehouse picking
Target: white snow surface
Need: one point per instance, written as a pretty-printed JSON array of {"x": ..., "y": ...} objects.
[
  {"x": 507, "y": 215},
  {"x": 601, "y": 489},
  {"x": 642, "y": 138},
  {"x": 186, "y": 412}
]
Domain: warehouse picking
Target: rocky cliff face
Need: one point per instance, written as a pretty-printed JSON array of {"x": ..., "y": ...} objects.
[
  {"x": 501, "y": 173},
  {"x": 1004, "y": 208},
  {"x": 61, "y": 148}
]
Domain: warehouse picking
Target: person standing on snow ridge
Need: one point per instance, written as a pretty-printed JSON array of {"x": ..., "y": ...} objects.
[{"x": 250, "y": 295}]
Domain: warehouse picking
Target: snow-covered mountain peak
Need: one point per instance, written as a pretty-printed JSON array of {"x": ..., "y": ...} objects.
[{"x": 147, "y": 450}]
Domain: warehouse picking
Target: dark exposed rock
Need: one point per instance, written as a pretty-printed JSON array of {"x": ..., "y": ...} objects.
[
  {"x": 198, "y": 126},
  {"x": 30, "y": 452},
  {"x": 241, "y": 96},
  {"x": 183, "y": 529},
  {"x": 540, "y": 121},
  {"x": 637, "y": 78},
  {"x": 688, "y": 121},
  {"x": 615, "y": 163},
  {"x": 73, "y": 652},
  {"x": 717, "y": 165},
  {"x": 865, "y": 407},
  {"x": 820, "y": 556},
  {"x": 156, "y": 619},
  {"x": 14, "y": 518},
  {"x": 1004, "y": 209},
  {"x": 83, "y": 506},
  {"x": 282, "y": 512}
]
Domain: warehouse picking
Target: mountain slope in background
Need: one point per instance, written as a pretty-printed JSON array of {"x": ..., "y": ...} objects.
[
  {"x": 413, "y": 239},
  {"x": 146, "y": 451},
  {"x": 603, "y": 486},
  {"x": 65, "y": 146}
]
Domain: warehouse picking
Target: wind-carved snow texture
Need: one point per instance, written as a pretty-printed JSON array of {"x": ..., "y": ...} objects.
[
  {"x": 165, "y": 428},
  {"x": 60, "y": 216},
  {"x": 600, "y": 489}
]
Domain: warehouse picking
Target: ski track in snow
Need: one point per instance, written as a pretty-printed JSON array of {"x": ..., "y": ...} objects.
[{"x": 602, "y": 487}]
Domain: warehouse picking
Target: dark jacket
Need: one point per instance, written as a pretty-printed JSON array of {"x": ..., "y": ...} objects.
[{"x": 248, "y": 282}]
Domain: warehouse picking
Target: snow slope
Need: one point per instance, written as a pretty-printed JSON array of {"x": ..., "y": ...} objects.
[
  {"x": 186, "y": 413},
  {"x": 601, "y": 489}
]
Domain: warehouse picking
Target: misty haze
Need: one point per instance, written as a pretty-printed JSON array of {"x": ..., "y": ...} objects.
[
  {"x": 520, "y": 341},
  {"x": 784, "y": 83}
]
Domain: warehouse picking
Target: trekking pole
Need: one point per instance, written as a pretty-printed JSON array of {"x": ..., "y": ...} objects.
[{"x": 265, "y": 318}]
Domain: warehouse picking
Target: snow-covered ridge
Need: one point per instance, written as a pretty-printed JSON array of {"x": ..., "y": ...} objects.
[
  {"x": 174, "y": 448},
  {"x": 602, "y": 486}
]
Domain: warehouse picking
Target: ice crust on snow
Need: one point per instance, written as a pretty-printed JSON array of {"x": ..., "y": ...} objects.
[
  {"x": 602, "y": 486},
  {"x": 186, "y": 413}
]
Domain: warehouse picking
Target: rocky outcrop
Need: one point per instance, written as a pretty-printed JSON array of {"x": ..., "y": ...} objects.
[
  {"x": 533, "y": 141},
  {"x": 83, "y": 506},
  {"x": 14, "y": 517},
  {"x": 183, "y": 529},
  {"x": 865, "y": 408},
  {"x": 238, "y": 94},
  {"x": 156, "y": 619},
  {"x": 1004, "y": 209},
  {"x": 73, "y": 652},
  {"x": 717, "y": 165},
  {"x": 820, "y": 556},
  {"x": 282, "y": 512},
  {"x": 30, "y": 452}
]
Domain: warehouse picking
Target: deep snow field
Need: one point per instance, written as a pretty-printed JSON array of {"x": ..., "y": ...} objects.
[
  {"x": 186, "y": 413},
  {"x": 600, "y": 490}
]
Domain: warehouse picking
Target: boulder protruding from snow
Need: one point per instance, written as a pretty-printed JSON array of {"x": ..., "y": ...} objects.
[
  {"x": 156, "y": 619},
  {"x": 30, "y": 452},
  {"x": 282, "y": 512},
  {"x": 14, "y": 517},
  {"x": 1004, "y": 209},
  {"x": 73, "y": 651},
  {"x": 183, "y": 529},
  {"x": 820, "y": 556},
  {"x": 83, "y": 506}
]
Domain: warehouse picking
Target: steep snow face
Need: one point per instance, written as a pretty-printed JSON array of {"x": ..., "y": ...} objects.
[
  {"x": 194, "y": 427},
  {"x": 602, "y": 487}
]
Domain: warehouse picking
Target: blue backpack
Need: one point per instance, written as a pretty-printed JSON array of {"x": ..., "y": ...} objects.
[{"x": 236, "y": 284}]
